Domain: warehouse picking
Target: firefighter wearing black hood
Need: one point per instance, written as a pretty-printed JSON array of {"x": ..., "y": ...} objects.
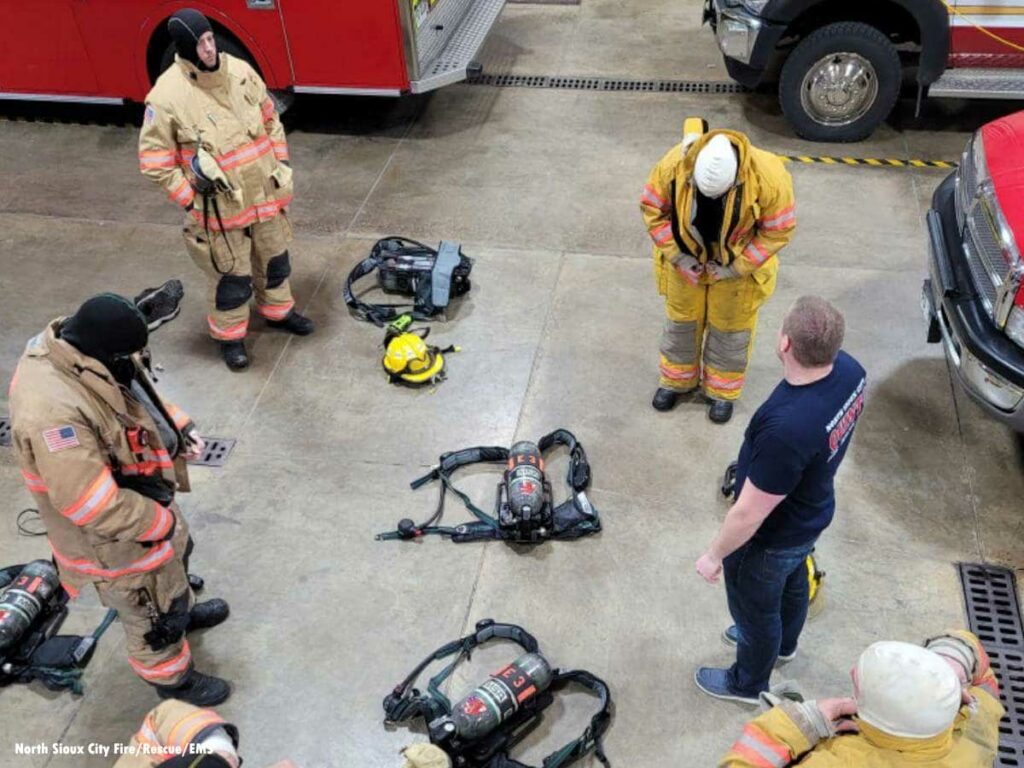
[
  {"x": 211, "y": 137},
  {"x": 103, "y": 455}
]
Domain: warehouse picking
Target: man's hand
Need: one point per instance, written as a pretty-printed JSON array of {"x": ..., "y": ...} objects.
[
  {"x": 194, "y": 445},
  {"x": 689, "y": 268},
  {"x": 718, "y": 272},
  {"x": 709, "y": 567},
  {"x": 836, "y": 710}
]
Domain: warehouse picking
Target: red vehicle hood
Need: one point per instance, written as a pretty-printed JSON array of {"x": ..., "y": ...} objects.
[{"x": 1004, "y": 153}]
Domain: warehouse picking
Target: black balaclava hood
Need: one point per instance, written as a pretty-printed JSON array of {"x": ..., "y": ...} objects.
[
  {"x": 186, "y": 27},
  {"x": 108, "y": 328}
]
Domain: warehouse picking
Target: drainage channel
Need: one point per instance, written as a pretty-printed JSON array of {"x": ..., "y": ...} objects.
[
  {"x": 613, "y": 84},
  {"x": 993, "y": 614}
]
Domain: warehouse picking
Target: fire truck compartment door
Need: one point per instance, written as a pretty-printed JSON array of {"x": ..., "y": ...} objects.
[
  {"x": 43, "y": 51},
  {"x": 970, "y": 46}
]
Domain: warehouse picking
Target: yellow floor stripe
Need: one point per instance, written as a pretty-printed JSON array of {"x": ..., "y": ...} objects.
[{"x": 889, "y": 162}]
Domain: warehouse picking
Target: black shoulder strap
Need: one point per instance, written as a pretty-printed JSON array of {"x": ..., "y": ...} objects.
[
  {"x": 579, "y": 468},
  {"x": 591, "y": 738}
]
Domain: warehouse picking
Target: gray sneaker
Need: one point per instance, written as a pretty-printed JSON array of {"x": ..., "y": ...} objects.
[{"x": 731, "y": 636}]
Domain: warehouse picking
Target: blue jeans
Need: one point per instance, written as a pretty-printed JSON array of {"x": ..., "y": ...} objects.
[{"x": 768, "y": 594}]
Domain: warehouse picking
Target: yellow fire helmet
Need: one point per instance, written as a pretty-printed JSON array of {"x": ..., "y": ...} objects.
[{"x": 408, "y": 359}]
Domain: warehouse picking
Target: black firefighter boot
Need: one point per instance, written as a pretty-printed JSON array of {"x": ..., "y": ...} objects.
[
  {"x": 720, "y": 411},
  {"x": 665, "y": 399},
  {"x": 234, "y": 355},
  {"x": 208, "y": 613},
  {"x": 294, "y": 323},
  {"x": 197, "y": 689}
]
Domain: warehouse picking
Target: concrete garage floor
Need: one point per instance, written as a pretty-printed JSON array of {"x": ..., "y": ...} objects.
[{"x": 561, "y": 329}]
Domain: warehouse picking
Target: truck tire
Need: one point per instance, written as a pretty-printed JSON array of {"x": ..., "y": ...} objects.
[
  {"x": 282, "y": 99},
  {"x": 840, "y": 82}
]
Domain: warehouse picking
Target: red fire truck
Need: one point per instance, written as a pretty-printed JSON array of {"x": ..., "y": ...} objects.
[
  {"x": 839, "y": 64},
  {"x": 109, "y": 51}
]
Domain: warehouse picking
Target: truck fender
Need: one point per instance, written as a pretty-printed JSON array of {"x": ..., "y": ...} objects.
[{"x": 932, "y": 18}]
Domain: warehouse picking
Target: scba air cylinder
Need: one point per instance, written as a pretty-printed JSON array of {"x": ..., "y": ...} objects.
[
  {"x": 23, "y": 600},
  {"x": 525, "y": 480},
  {"x": 493, "y": 702}
]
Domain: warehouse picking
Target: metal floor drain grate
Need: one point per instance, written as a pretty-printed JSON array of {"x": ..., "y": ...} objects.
[
  {"x": 993, "y": 614},
  {"x": 992, "y": 610},
  {"x": 5, "y": 432},
  {"x": 216, "y": 453},
  {"x": 606, "y": 84}
]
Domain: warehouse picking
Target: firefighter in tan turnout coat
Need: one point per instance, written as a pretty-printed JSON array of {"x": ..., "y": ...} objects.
[
  {"x": 103, "y": 455},
  {"x": 212, "y": 139}
]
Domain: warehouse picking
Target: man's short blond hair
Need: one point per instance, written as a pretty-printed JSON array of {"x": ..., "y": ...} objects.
[{"x": 816, "y": 330}]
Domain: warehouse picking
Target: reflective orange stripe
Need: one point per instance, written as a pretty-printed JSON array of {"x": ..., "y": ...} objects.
[
  {"x": 678, "y": 375},
  {"x": 157, "y": 158},
  {"x": 156, "y": 557},
  {"x": 261, "y": 211},
  {"x": 147, "y": 735},
  {"x": 183, "y": 194},
  {"x": 163, "y": 518},
  {"x": 34, "y": 482},
  {"x": 72, "y": 592},
  {"x": 233, "y": 333},
  {"x": 662, "y": 234},
  {"x": 165, "y": 669},
  {"x": 760, "y": 749},
  {"x": 652, "y": 198},
  {"x": 95, "y": 499},
  {"x": 784, "y": 219},
  {"x": 756, "y": 253},
  {"x": 275, "y": 311},
  {"x": 247, "y": 153},
  {"x": 185, "y": 730},
  {"x": 281, "y": 150},
  {"x": 719, "y": 382}
]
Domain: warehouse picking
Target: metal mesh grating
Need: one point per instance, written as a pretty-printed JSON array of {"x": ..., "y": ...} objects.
[
  {"x": 993, "y": 614},
  {"x": 216, "y": 452},
  {"x": 5, "y": 432},
  {"x": 605, "y": 84},
  {"x": 992, "y": 610}
]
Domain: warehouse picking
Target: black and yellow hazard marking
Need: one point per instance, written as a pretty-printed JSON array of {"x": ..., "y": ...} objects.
[{"x": 872, "y": 161}]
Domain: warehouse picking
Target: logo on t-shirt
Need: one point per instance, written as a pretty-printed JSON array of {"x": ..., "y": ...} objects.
[{"x": 841, "y": 426}]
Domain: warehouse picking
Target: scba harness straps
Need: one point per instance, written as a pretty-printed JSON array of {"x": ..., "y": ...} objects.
[
  {"x": 404, "y": 266},
  {"x": 572, "y": 519},
  {"x": 405, "y": 703}
]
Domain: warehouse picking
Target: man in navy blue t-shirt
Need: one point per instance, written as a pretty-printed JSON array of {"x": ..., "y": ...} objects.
[{"x": 791, "y": 450}]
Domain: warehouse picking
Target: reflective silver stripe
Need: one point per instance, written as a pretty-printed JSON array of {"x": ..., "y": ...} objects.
[
  {"x": 89, "y": 509},
  {"x": 762, "y": 750}
]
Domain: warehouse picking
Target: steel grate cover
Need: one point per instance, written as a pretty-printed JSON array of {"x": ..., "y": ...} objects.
[
  {"x": 216, "y": 452},
  {"x": 5, "y": 432},
  {"x": 606, "y": 84},
  {"x": 992, "y": 611},
  {"x": 993, "y": 614}
]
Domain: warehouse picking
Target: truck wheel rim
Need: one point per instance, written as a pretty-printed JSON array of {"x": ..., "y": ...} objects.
[{"x": 839, "y": 89}]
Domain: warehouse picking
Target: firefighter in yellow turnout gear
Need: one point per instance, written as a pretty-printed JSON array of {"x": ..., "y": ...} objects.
[
  {"x": 934, "y": 706},
  {"x": 103, "y": 456},
  {"x": 178, "y": 735},
  {"x": 718, "y": 210},
  {"x": 213, "y": 140}
]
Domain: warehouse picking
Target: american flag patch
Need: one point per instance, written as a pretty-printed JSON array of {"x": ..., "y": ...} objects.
[
  {"x": 61, "y": 438},
  {"x": 150, "y": 114}
]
